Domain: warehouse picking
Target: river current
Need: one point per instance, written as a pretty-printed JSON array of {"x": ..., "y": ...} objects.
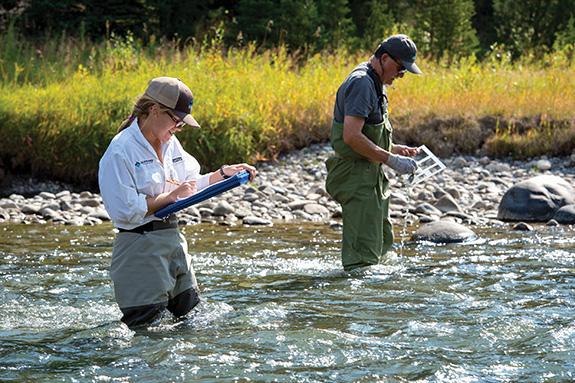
[{"x": 276, "y": 307}]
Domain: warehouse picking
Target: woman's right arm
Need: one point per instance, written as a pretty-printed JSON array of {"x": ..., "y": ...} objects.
[{"x": 157, "y": 202}]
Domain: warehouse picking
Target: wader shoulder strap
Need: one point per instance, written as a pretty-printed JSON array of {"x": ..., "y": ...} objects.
[{"x": 380, "y": 96}]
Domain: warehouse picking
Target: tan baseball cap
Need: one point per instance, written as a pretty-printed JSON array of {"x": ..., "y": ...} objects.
[{"x": 175, "y": 95}]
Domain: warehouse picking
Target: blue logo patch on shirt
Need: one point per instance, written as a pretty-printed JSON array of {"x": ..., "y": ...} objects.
[
  {"x": 177, "y": 159},
  {"x": 144, "y": 162}
]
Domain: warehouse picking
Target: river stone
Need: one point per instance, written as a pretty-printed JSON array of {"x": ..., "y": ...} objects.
[
  {"x": 92, "y": 202},
  {"x": 223, "y": 208},
  {"x": 536, "y": 199},
  {"x": 250, "y": 197},
  {"x": 443, "y": 232},
  {"x": 446, "y": 204},
  {"x": 565, "y": 215},
  {"x": 100, "y": 214},
  {"x": 543, "y": 165},
  {"x": 47, "y": 195},
  {"x": 7, "y": 204},
  {"x": 66, "y": 205},
  {"x": 253, "y": 220},
  {"x": 298, "y": 204},
  {"x": 522, "y": 226},
  {"x": 428, "y": 218},
  {"x": 63, "y": 194},
  {"x": 427, "y": 209},
  {"x": 314, "y": 208},
  {"x": 48, "y": 213},
  {"x": 30, "y": 209}
]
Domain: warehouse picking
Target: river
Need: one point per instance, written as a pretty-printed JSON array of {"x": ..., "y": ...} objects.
[{"x": 276, "y": 307}]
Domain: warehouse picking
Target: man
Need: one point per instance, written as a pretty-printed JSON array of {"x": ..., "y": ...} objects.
[{"x": 361, "y": 137}]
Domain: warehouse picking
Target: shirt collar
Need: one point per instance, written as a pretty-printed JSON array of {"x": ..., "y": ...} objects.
[{"x": 135, "y": 131}]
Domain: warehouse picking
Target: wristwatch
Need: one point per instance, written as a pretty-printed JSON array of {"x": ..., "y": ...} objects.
[{"x": 224, "y": 175}]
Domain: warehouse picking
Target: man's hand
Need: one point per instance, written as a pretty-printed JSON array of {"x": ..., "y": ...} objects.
[
  {"x": 401, "y": 164},
  {"x": 404, "y": 150}
]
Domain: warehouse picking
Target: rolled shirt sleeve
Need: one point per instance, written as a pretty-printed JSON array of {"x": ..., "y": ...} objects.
[{"x": 124, "y": 204}]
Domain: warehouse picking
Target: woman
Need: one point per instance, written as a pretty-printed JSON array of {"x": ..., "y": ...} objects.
[{"x": 144, "y": 169}]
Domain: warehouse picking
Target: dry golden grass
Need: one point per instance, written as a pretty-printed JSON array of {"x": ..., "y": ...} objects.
[{"x": 255, "y": 105}]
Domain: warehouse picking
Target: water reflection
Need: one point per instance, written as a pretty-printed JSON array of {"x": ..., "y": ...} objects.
[{"x": 277, "y": 307}]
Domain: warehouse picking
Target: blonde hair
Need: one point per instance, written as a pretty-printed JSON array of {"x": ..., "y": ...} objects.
[{"x": 140, "y": 111}]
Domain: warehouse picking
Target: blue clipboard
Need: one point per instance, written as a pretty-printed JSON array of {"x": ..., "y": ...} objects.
[{"x": 209, "y": 192}]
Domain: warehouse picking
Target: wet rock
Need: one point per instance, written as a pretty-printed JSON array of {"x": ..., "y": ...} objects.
[
  {"x": 565, "y": 215},
  {"x": 536, "y": 199},
  {"x": 335, "y": 225},
  {"x": 443, "y": 232},
  {"x": 427, "y": 209},
  {"x": 428, "y": 218},
  {"x": 552, "y": 223},
  {"x": 253, "y": 220},
  {"x": 522, "y": 226}
]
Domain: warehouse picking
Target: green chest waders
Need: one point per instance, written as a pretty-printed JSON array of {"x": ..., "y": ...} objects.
[{"x": 362, "y": 189}]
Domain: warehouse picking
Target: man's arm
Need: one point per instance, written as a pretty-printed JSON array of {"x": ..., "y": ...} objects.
[{"x": 352, "y": 136}]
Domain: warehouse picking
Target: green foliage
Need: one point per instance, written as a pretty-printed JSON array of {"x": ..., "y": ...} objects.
[
  {"x": 444, "y": 27},
  {"x": 379, "y": 24},
  {"x": 450, "y": 28},
  {"x": 531, "y": 26}
]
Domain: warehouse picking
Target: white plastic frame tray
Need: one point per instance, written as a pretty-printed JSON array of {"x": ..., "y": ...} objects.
[{"x": 427, "y": 166}]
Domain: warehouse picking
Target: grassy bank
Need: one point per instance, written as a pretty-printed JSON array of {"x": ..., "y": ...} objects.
[{"x": 61, "y": 104}]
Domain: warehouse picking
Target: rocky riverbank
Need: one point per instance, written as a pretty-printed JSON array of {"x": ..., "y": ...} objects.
[{"x": 468, "y": 191}]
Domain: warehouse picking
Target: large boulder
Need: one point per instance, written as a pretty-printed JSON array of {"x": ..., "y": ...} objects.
[
  {"x": 443, "y": 232},
  {"x": 536, "y": 199},
  {"x": 565, "y": 215}
]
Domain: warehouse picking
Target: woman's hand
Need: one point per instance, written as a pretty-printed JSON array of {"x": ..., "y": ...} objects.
[
  {"x": 404, "y": 150},
  {"x": 230, "y": 170},
  {"x": 185, "y": 189}
]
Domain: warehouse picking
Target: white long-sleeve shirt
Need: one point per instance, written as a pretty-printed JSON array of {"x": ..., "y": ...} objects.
[{"x": 130, "y": 171}]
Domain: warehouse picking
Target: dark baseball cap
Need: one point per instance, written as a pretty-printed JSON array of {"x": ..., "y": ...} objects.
[
  {"x": 175, "y": 95},
  {"x": 402, "y": 48}
]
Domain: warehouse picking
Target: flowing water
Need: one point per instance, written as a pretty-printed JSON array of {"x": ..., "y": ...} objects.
[{"x": 277, "y": 308}]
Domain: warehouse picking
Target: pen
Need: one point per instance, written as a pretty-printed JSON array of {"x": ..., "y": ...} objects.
[{"x": 174, "y": 182}]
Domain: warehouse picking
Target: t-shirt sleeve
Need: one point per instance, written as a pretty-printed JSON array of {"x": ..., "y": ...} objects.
[{"x": 359, "y": 98}]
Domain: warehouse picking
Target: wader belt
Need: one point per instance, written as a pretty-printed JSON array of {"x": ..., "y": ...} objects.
[{"x": 169, "y": 222}]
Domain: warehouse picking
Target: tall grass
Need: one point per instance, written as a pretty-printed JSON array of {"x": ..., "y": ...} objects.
[{"x": 61, "y": 102}]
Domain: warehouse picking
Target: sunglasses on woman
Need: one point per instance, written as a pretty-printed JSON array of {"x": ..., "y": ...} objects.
[{"x": 179, "y": 123}]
